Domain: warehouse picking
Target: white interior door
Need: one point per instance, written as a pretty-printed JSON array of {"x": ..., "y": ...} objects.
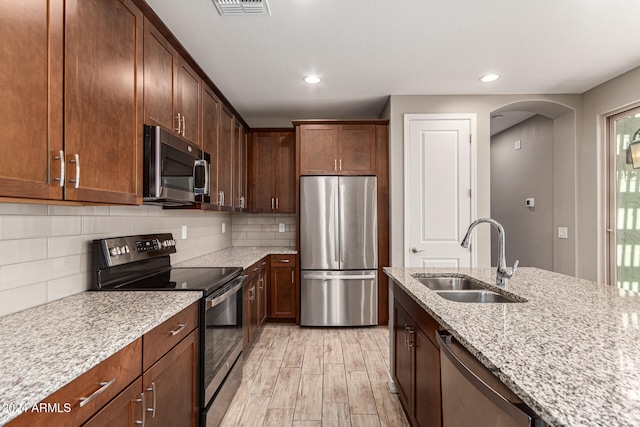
[{"x": 438, "y": 188}]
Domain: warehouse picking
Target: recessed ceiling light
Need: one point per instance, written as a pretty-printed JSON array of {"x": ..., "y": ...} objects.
[
  {"x": 312, "y": 80},
  {"x": 489, "y": 78}
]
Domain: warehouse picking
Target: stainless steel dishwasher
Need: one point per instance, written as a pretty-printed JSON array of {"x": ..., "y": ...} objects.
[{"x": 472, "y": 395}]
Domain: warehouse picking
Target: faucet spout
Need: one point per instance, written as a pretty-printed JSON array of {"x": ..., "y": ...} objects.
[{"x": 502, "y": 273}]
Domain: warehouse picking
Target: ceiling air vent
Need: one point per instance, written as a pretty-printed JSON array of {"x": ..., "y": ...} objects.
[{"x": 242, "y": 7}]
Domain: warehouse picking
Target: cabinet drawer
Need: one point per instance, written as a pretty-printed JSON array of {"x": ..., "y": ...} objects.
[
  {"x": 283, "y": 260},
  {"x": 124, "y": 411},
  {"x": 92, "y": 390},
  {"x": 160, "y": 340}
]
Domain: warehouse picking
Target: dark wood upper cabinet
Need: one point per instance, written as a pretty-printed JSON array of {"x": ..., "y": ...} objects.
[
  {"x": 210, "y": 121},
  {"x": 225, "y": 159},
  {"x": 357, "y": 149},
  {"x": 318, "y": 149},
  {"x": 171, "y": 87},
  {"x": 239, "y": 156},
  {"x": 272, "y": 172},
  {"x": 31, "y": 93},
  {"x": 103, "y": 101}
]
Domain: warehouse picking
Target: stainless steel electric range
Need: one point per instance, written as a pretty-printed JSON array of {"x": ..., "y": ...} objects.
[{"x": 143, "y": 263}]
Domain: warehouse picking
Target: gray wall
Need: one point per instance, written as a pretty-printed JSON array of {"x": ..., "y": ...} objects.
[
  {"x": 520, "y": 174},
  {"x": 482, "y": 106}
]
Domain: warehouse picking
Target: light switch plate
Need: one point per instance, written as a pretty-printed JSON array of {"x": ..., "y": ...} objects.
[
  {"x": 184, "y": 232},
  {"x": 563, "y": 233},
  {"x": 223, "y": 227},
  {"x": 280, "y": 228},
  {"x": 518, "y": 144}
]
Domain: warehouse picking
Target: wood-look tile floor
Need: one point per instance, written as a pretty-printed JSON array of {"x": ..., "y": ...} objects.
[{"x": 317, "y": 377}]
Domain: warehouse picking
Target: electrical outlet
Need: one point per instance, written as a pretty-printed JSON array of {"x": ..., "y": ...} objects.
[
  {"x": 518, "y": 144},
  {"x": 223, "y": 227},
  {"x": 280, "y": 228},
  {"x": 184, "y": 232},
  {"x": 563, "y": 233}
]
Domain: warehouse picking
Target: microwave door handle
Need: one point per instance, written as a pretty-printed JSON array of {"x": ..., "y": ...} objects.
[{"x": 204, "y": 164}]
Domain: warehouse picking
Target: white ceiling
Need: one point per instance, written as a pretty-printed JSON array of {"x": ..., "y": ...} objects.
[{"x": 366, "y": 50}]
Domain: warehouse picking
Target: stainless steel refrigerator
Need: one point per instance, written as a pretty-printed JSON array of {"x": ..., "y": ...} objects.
[{"x": 338, "y": 251}]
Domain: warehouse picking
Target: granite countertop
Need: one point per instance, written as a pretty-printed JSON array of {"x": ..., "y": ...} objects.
[
  {"x": 243, "y": 257},
  {"x": 44, "y": 348},
  {"x": 571, "y": 352}
]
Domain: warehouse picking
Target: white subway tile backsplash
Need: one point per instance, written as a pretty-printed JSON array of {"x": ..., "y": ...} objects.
[
  {"x": 71, "y": 245},
  {"x": 78, "y": 210},
  {"x": 22, "y": 298},
  {"x": 129, "y": 210},
  {"x": 263, "y": 230},
  {"x": 67, "y": 286},
  {"x": 28, "y": 273},
  {"x": 25, "y": 250},
  {"x": 113, "y": 225},
  {"x": 66, "y": 225},
  {"x": 22, "y": 209},
  {"x": 21, "y": 227}
]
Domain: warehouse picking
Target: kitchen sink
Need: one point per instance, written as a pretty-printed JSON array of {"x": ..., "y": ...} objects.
[
  {"x": 475, "y": 296},
  {"x": 449, "y": 283}
]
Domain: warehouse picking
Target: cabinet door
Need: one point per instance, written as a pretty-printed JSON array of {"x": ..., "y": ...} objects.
[
  {"x": 171, "y": 386},
  {"x": 103, "y": 101},
  {"x": 263, "y": 290},
  {"x": 403, "y": 366},
  {"x": 187, "y": 100},
  {"x": 30, "y": 73},
  {"x": 210, "y": 121},
  {"x": 285, "y": 185},
  {"x": 225, "y": 159},
  {"x": 239, "y": 167},
  {"x": 357, "y": 149},
  {"x": 263, "y": 166},
  {"x": 318, "y": 149},
  {"x": 159, "y": 67},
  {"x": 125, "y": 410},
  {"x": 283, "y": 293},
  {"x": 427, "y": 381}
]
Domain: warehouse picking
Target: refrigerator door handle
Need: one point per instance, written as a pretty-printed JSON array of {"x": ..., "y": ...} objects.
[
  {"x": 341, "y": 222},
  {"x": 345, "y": 277},
  {"x": 336, "y": 223}
]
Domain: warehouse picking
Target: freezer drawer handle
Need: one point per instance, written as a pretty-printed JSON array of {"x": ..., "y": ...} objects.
[{"x": 323, "y": 277}]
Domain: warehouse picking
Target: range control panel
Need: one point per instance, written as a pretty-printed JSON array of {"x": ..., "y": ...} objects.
[{"x": 123, "y": 250}]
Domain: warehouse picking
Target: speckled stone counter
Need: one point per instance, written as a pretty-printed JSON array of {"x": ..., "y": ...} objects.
[
  {"x": 571, "y": 352},
  {"x": 46, "y": 347},
  {"x": 243, "y": 257}
]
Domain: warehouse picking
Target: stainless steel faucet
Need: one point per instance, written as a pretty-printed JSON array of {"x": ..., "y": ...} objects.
[{"x": 502, "y": 274}]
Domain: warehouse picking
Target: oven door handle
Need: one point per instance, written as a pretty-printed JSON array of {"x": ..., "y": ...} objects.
[{"x": 217, "y": 300}]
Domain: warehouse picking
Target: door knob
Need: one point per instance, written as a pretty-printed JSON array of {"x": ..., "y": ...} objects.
[{"x": 415, "y": 250}]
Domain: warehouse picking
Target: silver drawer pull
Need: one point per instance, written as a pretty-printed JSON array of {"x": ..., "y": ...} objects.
[
  {"x": 284, "y": 260},
  {"x": 62, "y": 163},
  {"x": 76, "y": 160},
  {"x": 180, "y": 328},
  {"x": 98, "y": 392}
]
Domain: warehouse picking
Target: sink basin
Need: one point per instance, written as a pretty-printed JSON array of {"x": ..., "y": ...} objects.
[
  {"x": 475, "y": 296},
  {"x": 449, "y": 283}
]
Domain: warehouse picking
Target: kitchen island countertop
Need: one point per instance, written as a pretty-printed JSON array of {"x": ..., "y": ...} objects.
[
  {"x": 571, "y": 352},
  {"x": 237, "y": 256},
  {"x": 44, "y": 348}
]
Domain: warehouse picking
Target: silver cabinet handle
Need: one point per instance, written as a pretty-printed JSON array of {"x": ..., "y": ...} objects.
[
  {"x": 144, "y": 412},
  {"x": 98, "y": 392},
  {"x": 252, "y": 294},
  {"x": 340, "y": 164},
  {"x": 339, "y": 277},
  {"x": 179, "y": 122},
  {"x": 277, "y": 203},
  {"x": 261, "y": 280},
  {"x": 416, "y": 250},
  {"x": 263, "y": 263},
  {"x": 284, "y": 260},
  {"x": 335, "y": 164},
  {"x": 62, "y": 164},
  {"x": 183, "y": 125},
  {"x": 181, "y": 326},
  {"x": 223, "y": 198},
  {"x": 410, "y": 342},
  {"x": 272, "y": 203},
  {"x": 293, "y": 279},
  {"x": 152, "y": 389},
  {"x": 76, "y": 160}
]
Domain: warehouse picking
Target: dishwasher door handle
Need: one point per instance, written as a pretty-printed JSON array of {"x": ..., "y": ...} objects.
[{"x": 494, "y": 396}]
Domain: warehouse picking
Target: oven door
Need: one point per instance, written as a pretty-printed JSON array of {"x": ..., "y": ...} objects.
[{"x": 222, "y": 337}]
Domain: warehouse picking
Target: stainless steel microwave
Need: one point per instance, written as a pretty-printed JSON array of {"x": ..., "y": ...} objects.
[{"x": 176, "y": 173}]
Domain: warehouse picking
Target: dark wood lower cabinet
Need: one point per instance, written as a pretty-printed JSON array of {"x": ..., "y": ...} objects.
[
  {"x": 417, "y": 362},
  {"x": 171, "y": 386},
  {"x": 283, "y": 287},
  {"x": 125, "y": 410}
]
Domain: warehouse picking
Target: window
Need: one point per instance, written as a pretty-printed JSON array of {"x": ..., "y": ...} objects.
[{"x": 624, "y": 203}]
